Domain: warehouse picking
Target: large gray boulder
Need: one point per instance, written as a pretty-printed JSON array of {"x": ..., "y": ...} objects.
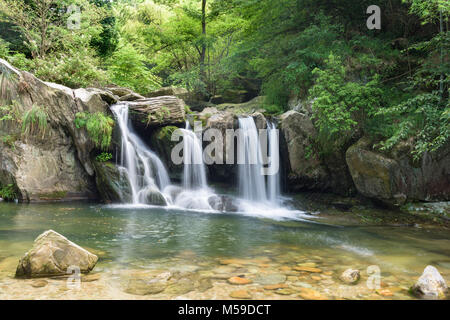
[
  {"x": 52, "y": 254},
  {"x": 430, "y": 285},
  {"x": 395, "y": 178},
  {"x": 307, "y": 169},
  {"x": 57, "y": 165}
]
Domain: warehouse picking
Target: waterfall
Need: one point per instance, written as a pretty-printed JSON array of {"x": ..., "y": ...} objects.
[
  {"x": 273, "y": 181},
  {"x": 250, "y": 168},
  {"x": 145, "y": 171},
  {"x": 194, "y": 168},
  {"x": 253, "y": 184}
]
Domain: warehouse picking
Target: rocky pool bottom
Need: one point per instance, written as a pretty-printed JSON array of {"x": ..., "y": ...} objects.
[{"x": 155, "y": 253}]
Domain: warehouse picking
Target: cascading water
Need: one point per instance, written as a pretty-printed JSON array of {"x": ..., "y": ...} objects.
[
  {"x": 195, "y": 194},
  {"x": 194, "y": 168},
  {"x": 252, "y": 181},
  {"x": 273, "y": 180},
  {"x": 150, "y": 184},
  {"x": 144, "y": 170}
]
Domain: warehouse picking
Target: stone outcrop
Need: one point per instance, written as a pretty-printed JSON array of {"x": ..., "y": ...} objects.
[
  {"x": 221, "y": 121},
  {"x": 306, "y": 168},
  {"x": 158, "y": 112},
  {"x": 113, "y": 186},
  {"x": 52, "y": 254},
  {"x": 430, "y": 285},
  {"x": 58, "y": 165},
  {"x": 395, "y": 177},
  {"x": 55, "y": 165}
]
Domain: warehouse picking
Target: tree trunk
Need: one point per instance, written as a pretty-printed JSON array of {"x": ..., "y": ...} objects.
[
  {"x": 203, "y": 50},
  {"x": 441, "y": 83},
  {"x": 203, "y": 53}
]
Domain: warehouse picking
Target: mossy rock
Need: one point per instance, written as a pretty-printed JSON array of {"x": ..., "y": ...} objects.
[{"x": 112, "y": 185}]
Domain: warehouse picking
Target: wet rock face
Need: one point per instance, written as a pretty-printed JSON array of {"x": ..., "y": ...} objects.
[
  {"x": 55, "y": 166},
  {"x": 113, "y": 186},
  {"x": 430, "y": 285},
  {"x": 52, "y": 254},
  {"x": 307, "y": 170},
  {"x": 395, "y": 178}
]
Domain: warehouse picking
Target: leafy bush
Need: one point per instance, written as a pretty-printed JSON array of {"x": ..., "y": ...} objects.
[
  {"x": 341, "y": 106},
  {"x": 72, "y": 69},
  {"x": 425, "y": 117},
  {"x": 99, "y": 127},
  {"x": 4, "y": 49},
  {"x": 104, "y": 157},
  {"x": 34, "y": 121}
]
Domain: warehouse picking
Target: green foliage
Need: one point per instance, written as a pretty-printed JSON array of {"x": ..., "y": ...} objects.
[
  {"x": 104, "y": 157},
  {"x": 72, "y": 69},
  {"x": 9, "y": 140},
  {"x": 9, "y": 113},
  {"x": 53, "y": 51},
  {"x": 4, "y": 49},
  {"x": 8, "y": 192},
  {"x": 99, "y": 127},
  {"x": 159, "y": 115},
  {"x": 424, "y": 117},
  {"x": 273, "y": 109},
  {"x": 127, "y": 68},
  {"x": 34, "y": 121},
  {"x": 341, "y": 106}
]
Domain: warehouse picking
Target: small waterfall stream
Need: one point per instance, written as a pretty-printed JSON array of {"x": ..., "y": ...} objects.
[
  {"x": 194, "y": 168},
  {"x": 273, "y": 180},
  {"x": 145, "y": 171},
  {"x": 150, "y": 183},
  {"x": 253, "y": 184}
]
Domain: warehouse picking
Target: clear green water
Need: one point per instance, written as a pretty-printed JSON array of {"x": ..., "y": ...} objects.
[{"x": 144, "y": 238}]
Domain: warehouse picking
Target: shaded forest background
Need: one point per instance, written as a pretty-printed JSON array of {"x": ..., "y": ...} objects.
[{"x": 391, "y": 84}]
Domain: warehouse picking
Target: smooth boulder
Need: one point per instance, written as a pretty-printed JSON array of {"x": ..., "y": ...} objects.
[
  {"x": 430, "y": 285},
  {"x": 394, "y": 177},
  {"x": 52, "y": 254},
  {"x": 350, "y": 276}
]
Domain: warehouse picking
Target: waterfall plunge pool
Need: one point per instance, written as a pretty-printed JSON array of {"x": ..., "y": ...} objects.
[{"x": 202, "y": 250}]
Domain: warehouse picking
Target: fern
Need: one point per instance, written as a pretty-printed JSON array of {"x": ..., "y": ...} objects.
[
  {"x": 34, "y": 121},
  {"x": 99, "y": 127}
]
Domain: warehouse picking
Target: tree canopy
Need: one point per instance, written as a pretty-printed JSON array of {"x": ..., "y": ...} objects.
[{"x": 391, "y": 84}]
